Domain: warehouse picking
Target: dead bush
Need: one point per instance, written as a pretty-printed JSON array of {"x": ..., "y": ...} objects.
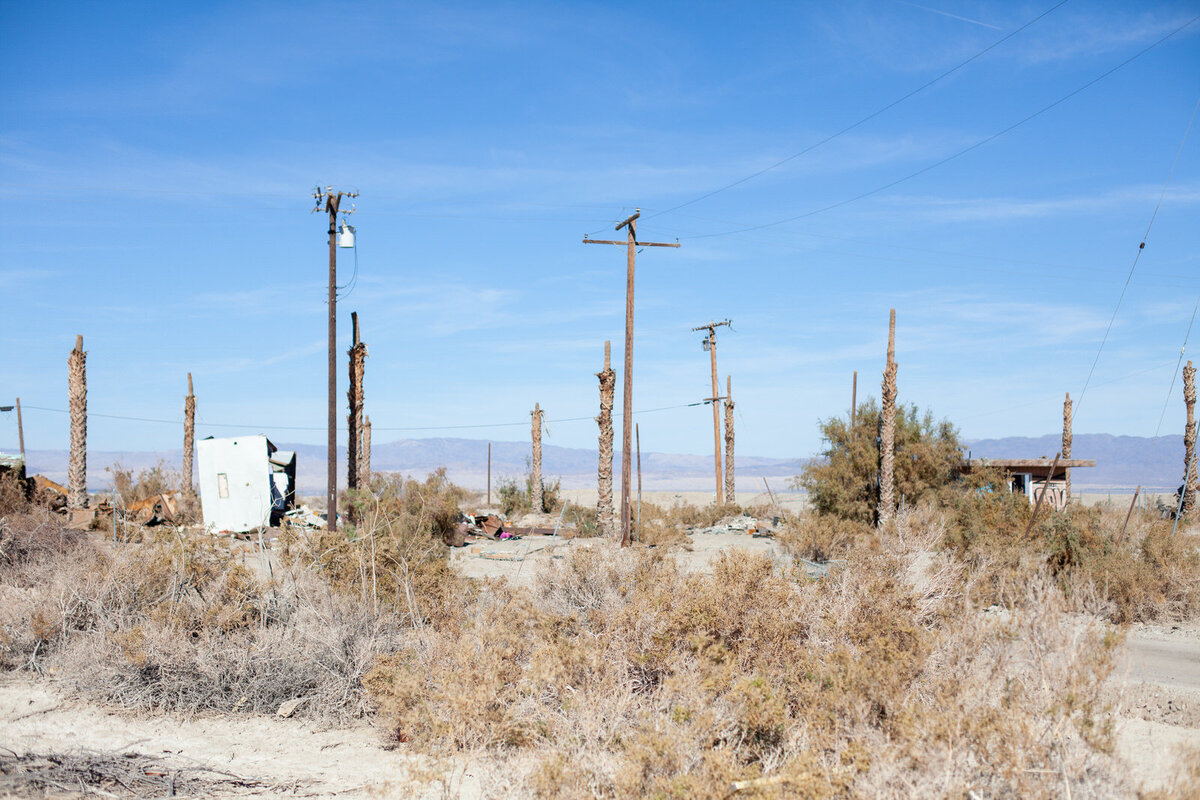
[
  {"x": 394, "y": 559},
  {"x": 14, "y": 493},
  {"x": 821, "y": 538},
  {"x": 624, "y": 677},
  {"x": 177, "y": 624},
  {"x": 156, "y": 480}
]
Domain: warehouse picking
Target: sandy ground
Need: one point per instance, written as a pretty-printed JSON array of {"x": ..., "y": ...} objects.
[{"x": 1157, "y": 685}]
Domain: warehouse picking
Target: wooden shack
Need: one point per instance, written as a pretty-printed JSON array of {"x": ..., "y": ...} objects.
[{"x": 1032, "y": 476}]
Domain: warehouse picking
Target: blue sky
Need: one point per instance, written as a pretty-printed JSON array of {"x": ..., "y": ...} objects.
[{"x": 157, "y": 160}]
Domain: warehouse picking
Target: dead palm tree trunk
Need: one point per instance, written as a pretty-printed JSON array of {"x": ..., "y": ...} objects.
[
  {"x": 605, "y": 515},
  {"x": 535, "y": 479},
  {"x": 1068, "y": 437},
  {"x": 730, "y": 496},
  {"x": 364, "y": 455},
  {"x": 354, "y": 394},
  {"x": 77, "y": 403},
  {"x": 887, "y": 434},
  {"x": 189, "y": 438},
  {"x": 1189, "y": 437}
]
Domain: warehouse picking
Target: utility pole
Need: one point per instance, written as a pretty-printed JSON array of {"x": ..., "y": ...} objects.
[
  {"x": 332, "y": 201},
  {"x": 631, "y": 244},
  {"x": 710, "y": 344},
  {"x": 853, "y": 399},
  {"x": 21, "y": 433},
  {"x": 489, "y": 502},
  {"x": 638, "y": 432}
]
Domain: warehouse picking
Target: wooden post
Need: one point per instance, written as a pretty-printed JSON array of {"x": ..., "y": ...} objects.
[
  {"x": 1067, "y": 438},
  {"x": 638, "y": 433},
  {"x": 730, "y": 486},
  {"x": 887, "y": 434},
  {"x": 1132, "y": 503},
  {"x": 189, "y": 439},
  {"x": 631, "y": 243},
  {"x": 853, "y": 399},
  {"x": 604, "y": 477},
  {"x": 1045, "y": 490},
  {"x": 21, "y": 433},
  {"x": 77, "y": 404},
  {"x": 489, "y": 500},
  {"x": 535, "y": 478}
]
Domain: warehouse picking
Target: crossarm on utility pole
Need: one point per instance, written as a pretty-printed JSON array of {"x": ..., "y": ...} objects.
[{"x": 635, "y": 244}]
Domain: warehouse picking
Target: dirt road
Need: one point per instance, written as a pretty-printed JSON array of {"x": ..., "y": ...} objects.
[{"x": 1157, "y": 684}]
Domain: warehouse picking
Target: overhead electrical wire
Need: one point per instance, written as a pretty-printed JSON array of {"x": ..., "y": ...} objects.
[
  {"x": 1136, "y": 257},
  {"x": 865, "y": 119},
  {"x": 955, "y": 155},
  {"x": 376, "y": 427}
]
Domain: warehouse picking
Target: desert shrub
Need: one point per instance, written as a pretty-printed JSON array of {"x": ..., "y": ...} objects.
[
  {"x": 620, "y": 676},
  {"x": 821, "y": 538},
  {"x": 394, "y": 558},
  {"x": 844, "y": 481},
  {"x": 515, "y": 497},
  {"x": 1148, "y": 575},
  {"x": 155, "y": 480},
  {"x": 14, "y": 493},
  {"x": 582, "y": 519},
  {"x": 178, "y": 624}
]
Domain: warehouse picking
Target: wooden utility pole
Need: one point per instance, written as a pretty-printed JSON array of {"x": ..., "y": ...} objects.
[
  {"x": 189, "y": 438},
  {"x": 887, "y": 434},
  {"x": 638, "y": 433},
  {"x": 535, "y": 479},
  {"x": 604, "y": 476},
  {"x": 332, "y": 201},
  {"x": 1067, "y": 439},
  {"x": 730, "y": 485},
  {"x": 853, "y": 399},
  {"x": 489, "y": 502},
  {"x": 358, "y": 358},
  {"x": 21, "y": 434},
  {"x": 631, "y": 243},
  {"x": 710, "y": 344},
  {"x": 77, "y": 405}
]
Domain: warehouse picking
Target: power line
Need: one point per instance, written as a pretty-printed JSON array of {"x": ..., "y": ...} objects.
[
  {"x": 1137, "y": 256},
  {"x": 867, "y": 118},
  {"x": 958, "y": 154},
  {"x": 321, "y": 428}
]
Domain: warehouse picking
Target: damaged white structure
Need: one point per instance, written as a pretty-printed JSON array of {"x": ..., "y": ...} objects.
[{"x": 245, "y": 482}]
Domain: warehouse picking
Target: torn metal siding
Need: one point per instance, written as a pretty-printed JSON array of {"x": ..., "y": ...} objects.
[{"x": 244, "y": 482}]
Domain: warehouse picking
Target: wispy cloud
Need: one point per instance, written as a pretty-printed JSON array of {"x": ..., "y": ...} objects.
[
  {"x": 961, "y": 209},
  {"x": 953, "y": 16}
]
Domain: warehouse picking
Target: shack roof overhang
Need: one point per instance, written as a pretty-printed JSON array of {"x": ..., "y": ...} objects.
[{"x": 1038, "y": 467}]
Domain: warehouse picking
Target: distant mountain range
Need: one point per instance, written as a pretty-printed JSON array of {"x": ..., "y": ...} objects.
[
  {"x": 1121, "y": 462},
  {"x": 465, "y": 460}
]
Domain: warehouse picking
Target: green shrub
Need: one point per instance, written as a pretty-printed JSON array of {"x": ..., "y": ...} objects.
[{"x": 844, "y": 482}]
